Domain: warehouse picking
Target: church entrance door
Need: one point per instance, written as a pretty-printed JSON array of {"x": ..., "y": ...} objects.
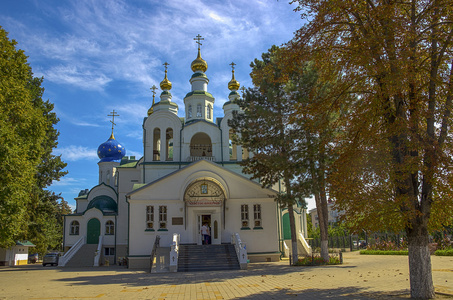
[
  {"x": 204, "y": 219},
  {"x": 93, "y": 231}
]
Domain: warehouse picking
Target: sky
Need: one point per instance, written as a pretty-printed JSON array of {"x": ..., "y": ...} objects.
[{"x": 100, "y": 56}]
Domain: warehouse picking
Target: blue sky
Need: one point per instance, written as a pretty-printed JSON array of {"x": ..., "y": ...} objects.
[{"x": 99, "y": 56}]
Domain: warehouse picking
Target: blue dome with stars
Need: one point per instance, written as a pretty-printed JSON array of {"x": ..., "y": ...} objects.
[{"x": 111, "y": 150}]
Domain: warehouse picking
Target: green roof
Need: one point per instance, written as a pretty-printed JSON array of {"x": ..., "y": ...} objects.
[
  {"x": 138, "y": 185},
  {"x": 199, "y": 93},
  {"x": 25, "y": 243}
]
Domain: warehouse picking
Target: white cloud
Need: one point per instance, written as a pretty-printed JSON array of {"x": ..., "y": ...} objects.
[
  {"x": 72, "y": 75},
  {"x": 67, "y": 181},
  {"x": 74, "y": 153}
]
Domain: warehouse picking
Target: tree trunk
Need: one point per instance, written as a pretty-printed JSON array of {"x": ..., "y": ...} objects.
[
  {"x": 292, "y": 225},
  {"x": 321, "y": 208},
  {"x": 420, "y": 272}
]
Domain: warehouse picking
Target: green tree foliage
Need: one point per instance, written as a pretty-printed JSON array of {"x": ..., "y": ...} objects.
[
  {"x": 394, "y": 159},
  {"x": 27, "y": 138},
  {"x": 264, "y": 128}
]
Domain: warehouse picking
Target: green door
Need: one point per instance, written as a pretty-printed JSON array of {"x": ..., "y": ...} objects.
[
  {"x": 93, "y": 231},
  {"x": 286, "y": 227}
]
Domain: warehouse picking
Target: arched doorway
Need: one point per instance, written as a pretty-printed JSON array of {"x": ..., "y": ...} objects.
[
  {"x": 93, "y": 231},
  {"x": 204, "y": 200}
]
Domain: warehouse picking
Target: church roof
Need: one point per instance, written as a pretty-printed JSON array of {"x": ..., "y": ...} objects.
[{"x": 104, "y": 203}]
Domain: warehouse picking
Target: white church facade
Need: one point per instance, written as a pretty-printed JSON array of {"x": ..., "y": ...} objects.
[{"x": 189, "y": 175}]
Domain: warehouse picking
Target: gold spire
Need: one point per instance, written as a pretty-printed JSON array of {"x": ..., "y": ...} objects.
[
  {"x": 113, "y": 115},
  {"x": 199, "y": 64},
  {"x": 233, "y": 85},
  {"x": 150, "y": 110},
  {"x": 165, "y": 85}
]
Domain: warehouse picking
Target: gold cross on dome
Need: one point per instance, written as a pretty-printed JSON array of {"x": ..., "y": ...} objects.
[
  {"x": 232, "y": 65},
  {"x": 199, "y": 38},
  {"x": 113, "y": 115},
  {"x": 154, "y": 88},
  {"x": 166, "y": 64}
]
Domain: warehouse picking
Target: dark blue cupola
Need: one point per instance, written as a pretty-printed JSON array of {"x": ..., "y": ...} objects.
[{"x": 111, "y": 150}]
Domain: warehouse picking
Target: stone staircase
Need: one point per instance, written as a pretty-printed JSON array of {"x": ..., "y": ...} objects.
[
  {"x": 207, "y": 258},
  {"x": 84, "y": 257}
]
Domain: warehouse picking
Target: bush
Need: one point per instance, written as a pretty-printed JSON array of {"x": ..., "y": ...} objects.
[
  {"x": 384, "y": 252},
  {"x": 446, "y": 252},
  {"x": 318, "y": 260},
  {"x": 387, "y": 246}
]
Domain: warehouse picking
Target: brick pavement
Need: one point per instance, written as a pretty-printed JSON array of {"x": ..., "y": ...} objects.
[{"x": 360, "y": 277}]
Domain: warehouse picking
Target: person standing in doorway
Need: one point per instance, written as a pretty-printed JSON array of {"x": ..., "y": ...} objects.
[{"x": 205, "y": 234}]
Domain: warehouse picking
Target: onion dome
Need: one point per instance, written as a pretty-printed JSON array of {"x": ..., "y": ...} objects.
[
  {"x": 233, "y": 85},
  {"x": 199, "y": 64},
  {"x": 111, "y": 150},
  {"x": 165, "y": 85}
]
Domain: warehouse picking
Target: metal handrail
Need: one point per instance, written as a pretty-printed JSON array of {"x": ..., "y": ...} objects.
[
  {"x": 70, "y": 253},
  {"x": 153, "y": 252}
]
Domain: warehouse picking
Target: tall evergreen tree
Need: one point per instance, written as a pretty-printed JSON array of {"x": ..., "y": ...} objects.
[{"x": 264, "y": 128}]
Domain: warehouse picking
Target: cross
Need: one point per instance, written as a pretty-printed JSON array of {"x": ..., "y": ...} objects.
[
  {"x": 199, "y": 38},
  {"x": 166, "y": 64},
  {"x": 232, "y": 65},
  {"x": 113, "y": 115},
  {"x": 154, "y": 88},
  {"x": 243, "y": 90}
]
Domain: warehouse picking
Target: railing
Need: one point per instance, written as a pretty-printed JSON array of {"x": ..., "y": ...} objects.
[
  {"x": 153, "y": 252},
  {"x": 305, "y": 245},
  {"x": 241, "y": 250},
  {"x": 70, "y": 253},
  {"x": 98, "y": 252},
  {"x": 285, "y": 249},
  {"x": 197, "y": 158},
  {"x": 174, "y": 253}
]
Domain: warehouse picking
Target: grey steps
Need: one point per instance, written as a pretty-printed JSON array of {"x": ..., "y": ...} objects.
[
  {"x": 207, "y": 258},
  {"x": 84, "y": 257}
]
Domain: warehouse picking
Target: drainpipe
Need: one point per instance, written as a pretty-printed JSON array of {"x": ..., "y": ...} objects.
[
  {"x": 144, "y": 153},
  {"x": 180, "y": 145},
  {"x": 116, "y": 230},
  {"x": 221, "y": 144}
]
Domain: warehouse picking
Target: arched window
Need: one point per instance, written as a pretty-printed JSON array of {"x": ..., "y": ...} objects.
[
  {"x": 209, "y": 112},
  {"x": 232, "y": 146},
  {"x": 74, "y": 228},
  {"x": 198, "y": 110},
  {"x": 169, "y": 143},
  {"x": 109, "y": 228},
  {"x": 156, "y": 144},
  {"x": 189, "y": 113}
]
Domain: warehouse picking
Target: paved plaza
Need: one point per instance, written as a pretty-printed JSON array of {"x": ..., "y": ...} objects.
[{"x": 360, "y": 277}]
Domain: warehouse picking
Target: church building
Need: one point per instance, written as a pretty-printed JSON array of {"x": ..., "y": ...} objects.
[{"x": 189, "y": 176}]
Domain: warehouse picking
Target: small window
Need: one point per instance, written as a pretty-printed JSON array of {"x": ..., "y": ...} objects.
[
  {"x": 74, "y": 228},
  {"x": 257, "y": 214},
  {"x": 150, "y": 217},
  {"x": 109, "y": 251},
  {"x": 245, "y": 215},
  {"x": 209, "y": 111},
  {"x": 189, "y": 113},
  {"x": 162, "y": 217},
  {"x": 198, "y": 110},
  {"x": 109, "y": 228}
]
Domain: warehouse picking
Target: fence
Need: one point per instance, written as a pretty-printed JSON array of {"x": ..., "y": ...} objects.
[{"x": 359, "y": 241}]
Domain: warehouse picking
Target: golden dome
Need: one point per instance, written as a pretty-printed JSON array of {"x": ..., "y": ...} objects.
[
  {"x": 165, "y": 85},
  {"x": 233, "y": 85},
  {"x": 199, "y": 64}
]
